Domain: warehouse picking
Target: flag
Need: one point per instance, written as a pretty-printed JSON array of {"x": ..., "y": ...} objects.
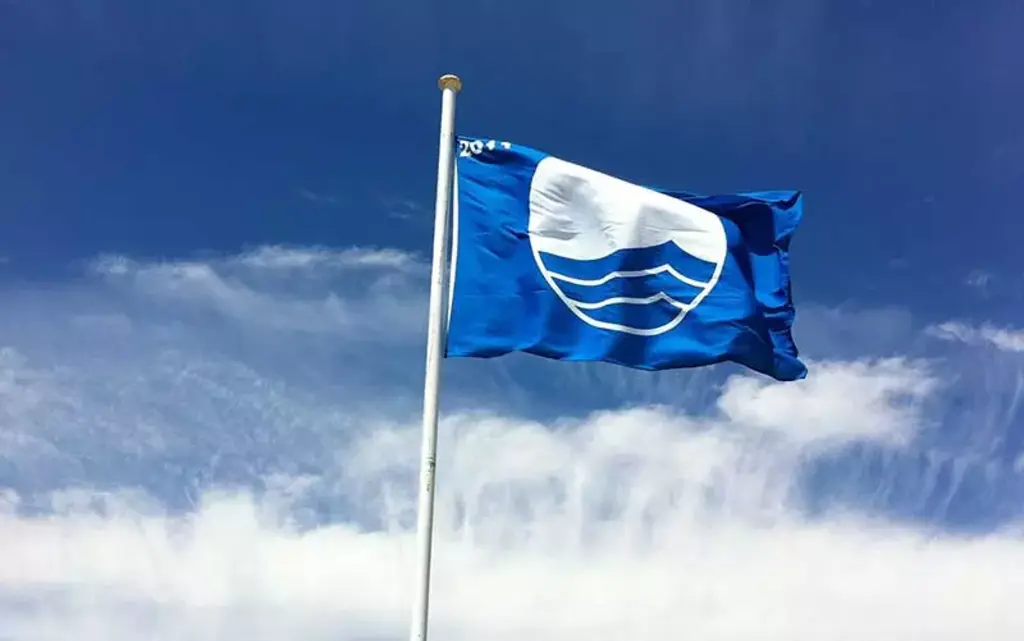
[{"x": 559, "y": 260}]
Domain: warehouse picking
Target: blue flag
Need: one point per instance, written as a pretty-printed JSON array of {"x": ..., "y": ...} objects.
[{"x": 565, "y": 262}]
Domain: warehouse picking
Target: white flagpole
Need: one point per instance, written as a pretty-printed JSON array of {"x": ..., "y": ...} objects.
[{"x": 450, "y": 85}]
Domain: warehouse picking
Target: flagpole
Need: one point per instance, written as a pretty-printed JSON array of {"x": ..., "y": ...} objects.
[{"x": 450, "y": 85}]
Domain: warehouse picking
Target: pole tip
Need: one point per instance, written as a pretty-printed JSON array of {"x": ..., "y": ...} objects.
[{"x": 450, "y": 81}]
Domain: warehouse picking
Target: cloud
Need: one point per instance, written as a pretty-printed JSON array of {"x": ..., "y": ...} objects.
[
  {"x": 319, "y": 199},
  {"x": 878, "y": 400},
  {"x": 979, "y": 279},
  {"x": 406, "y": 209},
  {"x": 278, "y": 257},
  {"x": 186, "y": 454},
  {"x": 638, "y": 523},
  {"x": 296, "y": 289},
  {"x": 1005, "y": 339}
]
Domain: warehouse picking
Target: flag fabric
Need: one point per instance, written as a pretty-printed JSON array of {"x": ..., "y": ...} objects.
[{"x": 560, "y": 260}]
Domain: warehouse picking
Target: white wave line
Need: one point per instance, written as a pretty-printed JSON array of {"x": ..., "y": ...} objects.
[
  {"x": 628, "y": 274},
  {"x": 626, "y": 300}
]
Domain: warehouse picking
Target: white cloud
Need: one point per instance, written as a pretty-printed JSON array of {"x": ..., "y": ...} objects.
[
  {"x": 598, "y": 530},
  {"x": 320, "y": 199},
  {"x": 979, "y": 279},
  {"x": 269, "y": 258},
  {"x": 878, "y": 400},
  {"x": 278, "y": 257},
  {"x": 1005, "y": 339},
  {"x": 270, "y": 287},
  {"x": 164, "y": 483}
]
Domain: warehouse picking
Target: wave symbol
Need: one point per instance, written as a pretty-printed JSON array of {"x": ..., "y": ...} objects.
[
  {"x": 622, "y": 257},
  {"x": 638, "y": 291}
]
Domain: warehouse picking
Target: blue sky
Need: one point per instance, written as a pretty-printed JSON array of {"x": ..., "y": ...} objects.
[{"x": 214, "y": 221}]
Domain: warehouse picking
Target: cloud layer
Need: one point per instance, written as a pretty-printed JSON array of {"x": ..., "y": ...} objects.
[
  {"x": 1002, "y": 338},
  {"x": 227, "y": 448}
]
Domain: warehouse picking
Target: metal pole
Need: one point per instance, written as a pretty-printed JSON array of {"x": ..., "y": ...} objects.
[{"x": 450, "y": 85}]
